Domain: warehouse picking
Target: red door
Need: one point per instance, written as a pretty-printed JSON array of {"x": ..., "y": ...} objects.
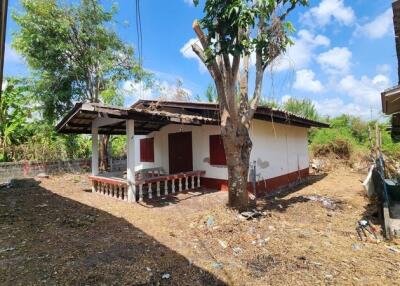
[{"x": 180, "y": 152}]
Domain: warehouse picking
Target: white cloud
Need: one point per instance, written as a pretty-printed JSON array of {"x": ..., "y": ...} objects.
[
  {"x": 301, "y": 53},
  {"x": 358, "y": 96},
  {"x": 336, "y": 106},
  {"x": 167, "y": 90},
  {"x": 336, "y": 60},
  {"x": 136, "y": 90},
  {"x": 384, "y": 69},
  {"x": 379, "y": 27},
  {"x": 285, "y": 98},
  {"x": 305, "y": 80},
  {"x": 11, "y": 57},
  {"x": 189, "y": 2},
  {"x": 160, "y": 89},
  {"x": 365, "y": 91},
  {"x": 327, "y": 11},
  {"x": 188, "y": 53}
]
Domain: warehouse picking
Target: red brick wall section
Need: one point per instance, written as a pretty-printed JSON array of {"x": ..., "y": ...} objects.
[{"x": 263, "y": 187}]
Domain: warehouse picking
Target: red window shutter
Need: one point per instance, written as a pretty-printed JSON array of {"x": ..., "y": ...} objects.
[
  {"x": 217, "y": 151},
  {"x": 147, "y": 150}
]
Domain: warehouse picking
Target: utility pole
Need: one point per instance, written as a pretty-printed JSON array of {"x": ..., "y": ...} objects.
[{"x": 3, "y": 28}]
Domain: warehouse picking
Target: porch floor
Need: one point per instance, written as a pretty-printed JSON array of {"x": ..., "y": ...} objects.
[{"x": 119, "y": 175}]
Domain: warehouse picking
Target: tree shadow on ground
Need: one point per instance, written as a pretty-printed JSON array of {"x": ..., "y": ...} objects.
[
  {"x": 277, "y": 201},
  {"x": 48, "y": 239}
]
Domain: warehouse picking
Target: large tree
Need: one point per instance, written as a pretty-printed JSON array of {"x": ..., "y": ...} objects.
[
  {"x": 229, "y": 34},
  {"x": 74, "y": 54}
]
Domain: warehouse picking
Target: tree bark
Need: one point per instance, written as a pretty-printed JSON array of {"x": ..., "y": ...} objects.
[
  {"x": 236, "y": 115},
  {"x": 238, "y": 147},
  {"x": 104, "y": 141}
]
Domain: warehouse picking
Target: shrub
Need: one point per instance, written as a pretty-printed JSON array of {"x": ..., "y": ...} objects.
[{"x": 333, "y": 141}]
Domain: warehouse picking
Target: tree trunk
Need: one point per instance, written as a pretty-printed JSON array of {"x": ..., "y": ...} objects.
[
  {"x": 237, "y": 146},
  {"x": 104, "y": 140}
]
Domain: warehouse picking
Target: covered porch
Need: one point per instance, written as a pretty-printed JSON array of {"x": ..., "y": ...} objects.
[{"x": 132, "y": 185}]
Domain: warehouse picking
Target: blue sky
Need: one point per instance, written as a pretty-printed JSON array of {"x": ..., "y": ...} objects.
[{"x": 344, "y": 53}]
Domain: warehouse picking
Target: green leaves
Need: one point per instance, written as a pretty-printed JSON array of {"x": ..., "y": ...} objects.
[
  {"x": 244, "y": 26},
  {"x": 301, "y": 107},
  {"x": 73, "y": 52}
]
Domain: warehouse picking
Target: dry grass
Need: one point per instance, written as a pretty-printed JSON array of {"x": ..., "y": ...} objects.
[{"x": 58, "y": 233}]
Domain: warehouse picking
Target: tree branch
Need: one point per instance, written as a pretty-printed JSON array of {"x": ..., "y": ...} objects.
[
  {"x": 284, "y": 15},
  {"x": 200, "y": 35},
  {"x": 259, "y": 74}
]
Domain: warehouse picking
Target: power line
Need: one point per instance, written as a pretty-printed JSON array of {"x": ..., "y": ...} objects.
[
  {"x": 139, "y": 36},
  {"x": 139, "y": 33}
]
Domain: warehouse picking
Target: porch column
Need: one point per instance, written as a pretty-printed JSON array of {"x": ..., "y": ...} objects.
[
  {"x": 95, "y": 150},
  {"x": 130, "y": 162}
]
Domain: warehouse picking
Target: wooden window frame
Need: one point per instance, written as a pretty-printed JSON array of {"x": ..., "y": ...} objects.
[
  {"x": 147, "y": 150},
  {"x": 217, "y": 151}
]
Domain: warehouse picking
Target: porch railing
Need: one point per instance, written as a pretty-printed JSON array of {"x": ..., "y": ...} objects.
[{"x": 150, "y": 187}]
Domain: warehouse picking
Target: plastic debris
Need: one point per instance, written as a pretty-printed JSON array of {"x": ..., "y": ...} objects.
[
  {"x": 237, "y": 250},
  {"x": 42, "y": 206},
  {"x": 223, "y": 243},
  {"x": 393, "y": 249},
  {"x": 210, "y": 221},
  {"x": 217, "y": 265},
  {"x": 357, "y": 246},
  {"x": 251, "y": 214},
  {"x": 326, "y": 202},
  {"x": 166, "y": 276},
  {"x": 42, "y": 176},
  {"x": 7, "y": 249},
  {"x": 363, "y": 228}
]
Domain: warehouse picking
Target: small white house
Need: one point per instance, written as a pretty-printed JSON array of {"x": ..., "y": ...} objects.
[{"x": 180, "y": 144}]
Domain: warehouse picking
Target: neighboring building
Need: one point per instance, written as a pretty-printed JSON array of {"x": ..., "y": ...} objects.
[
  {"x": 182, "y": 137},
  {"x": 3, "y": 23},
  {"x": 391, "y": 97}
]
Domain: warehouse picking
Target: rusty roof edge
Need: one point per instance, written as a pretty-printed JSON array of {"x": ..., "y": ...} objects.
[
  {"x": 215, "y": 107},
  {"x": 174, "y": 117},
  {"x": 68, "y": 116}
]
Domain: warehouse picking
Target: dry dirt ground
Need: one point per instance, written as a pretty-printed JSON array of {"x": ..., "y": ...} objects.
[{"x": 56, "y": 232}]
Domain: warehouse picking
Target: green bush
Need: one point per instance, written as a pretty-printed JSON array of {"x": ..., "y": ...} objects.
[{"x": 339, "y": 142}]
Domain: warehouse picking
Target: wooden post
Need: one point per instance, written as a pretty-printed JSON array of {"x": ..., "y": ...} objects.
[
  {"x": 95, "y": 154},
  {"x": 378, "y": 139},
  {"x": 130, "y": 170}
]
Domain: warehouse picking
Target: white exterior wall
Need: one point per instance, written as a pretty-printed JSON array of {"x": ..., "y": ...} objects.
[{"x": 278, "y": 149}]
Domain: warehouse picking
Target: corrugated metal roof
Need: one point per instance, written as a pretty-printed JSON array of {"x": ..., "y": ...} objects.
[{"x": 151, "y": 115}]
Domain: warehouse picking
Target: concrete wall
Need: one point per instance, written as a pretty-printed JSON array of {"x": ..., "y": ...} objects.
[
  {"x": 277, "y": 149},
  {"x": 17, "y": 170}
]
